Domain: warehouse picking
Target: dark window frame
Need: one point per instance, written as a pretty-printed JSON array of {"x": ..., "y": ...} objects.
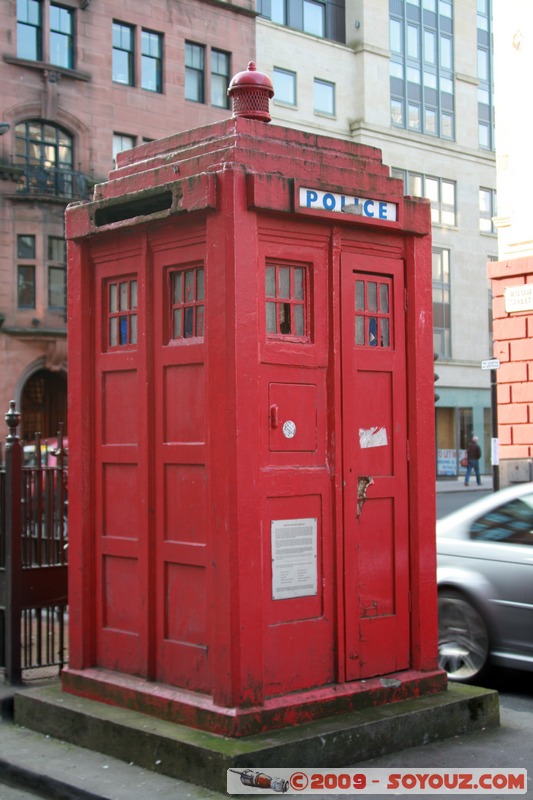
[
  {"x": 150, "y": 61},
  {"x": 119, "y": 48},
  {"x": 64, "y": 37},
  {"x": 219, "y": 79},
  {"x": 290, "y": 14},
  {"x": 195, "y": 72}
]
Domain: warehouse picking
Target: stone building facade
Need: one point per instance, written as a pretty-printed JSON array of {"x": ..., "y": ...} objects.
[
  {"x": 512, "y": 274},
  {"x": 81, "y": 81}
]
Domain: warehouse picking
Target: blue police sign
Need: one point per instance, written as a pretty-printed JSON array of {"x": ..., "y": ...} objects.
[{"x": 347, "y": 204}]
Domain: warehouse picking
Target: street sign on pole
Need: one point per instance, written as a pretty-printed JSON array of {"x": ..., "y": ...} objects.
[{"x": 491, "y": 363}]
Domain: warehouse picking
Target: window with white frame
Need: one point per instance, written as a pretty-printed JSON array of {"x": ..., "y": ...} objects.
[
  {"x": 441, "y": 193},
  {"x": 122, "y": 141},
  {"x": 284, "y": 86},
  {"x": 487, "y": 210},
  {"x": 441, "y": 303},
  {"x": 324, "y": 97}
]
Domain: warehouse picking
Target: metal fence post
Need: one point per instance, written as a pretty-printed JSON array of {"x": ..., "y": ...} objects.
[{"x": 13, "y": 560}]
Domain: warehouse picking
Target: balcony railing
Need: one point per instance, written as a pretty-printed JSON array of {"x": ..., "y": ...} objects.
[{"x": 52, "y": 182}]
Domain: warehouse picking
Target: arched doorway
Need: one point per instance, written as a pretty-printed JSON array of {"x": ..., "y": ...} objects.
[{"x": 43, "y": 404}]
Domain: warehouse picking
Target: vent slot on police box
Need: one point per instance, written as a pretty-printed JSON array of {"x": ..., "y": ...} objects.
[{"x": 141, "y": 206}]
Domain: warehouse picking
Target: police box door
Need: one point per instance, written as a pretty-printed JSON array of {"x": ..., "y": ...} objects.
[{"x": 374, "y": 403}]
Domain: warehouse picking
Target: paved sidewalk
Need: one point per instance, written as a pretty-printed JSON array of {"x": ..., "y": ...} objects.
[
  {"x": 458, "y": 484},
  {"x": 62, "y": 771}
]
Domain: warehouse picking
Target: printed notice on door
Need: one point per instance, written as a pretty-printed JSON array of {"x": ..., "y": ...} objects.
[{"x": 294, "y": 558}]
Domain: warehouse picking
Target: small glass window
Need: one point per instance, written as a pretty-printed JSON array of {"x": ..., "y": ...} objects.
[
  {"x": 57, "y": 287},
  {"x": 220, "y": 69},
  {"x": 187, "y": 288},
  {"x": 284, "y": 86},
  {"x": 151, "y": 61},
  {"x": 372, "y": 312},
  {"x": 194, "y": 72},
  {"x": 324, "y": 97},
  {"x": 122, "y": 141},
  {"x": 57, "y": 273},
  {"x": 26, "y": 246},
  {"x": 314, "y": 18},
  {"x": 285, "y": 294},
  {"x": 123, "y": 53},
  {"x": 61, "y": 36},
  {"x": 122, "y": 302},
  {"x": 26, "y": 286},
  {"x": 29, "y": 30}
]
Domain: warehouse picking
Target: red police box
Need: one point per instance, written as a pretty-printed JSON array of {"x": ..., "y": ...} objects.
[{"x": 252, "y": 507}]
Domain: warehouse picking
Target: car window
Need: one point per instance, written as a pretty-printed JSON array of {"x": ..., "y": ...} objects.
[{"x": 511, "y": 522}]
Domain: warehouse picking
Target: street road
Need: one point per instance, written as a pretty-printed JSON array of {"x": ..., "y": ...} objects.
[{"x": 450, "y": 501}]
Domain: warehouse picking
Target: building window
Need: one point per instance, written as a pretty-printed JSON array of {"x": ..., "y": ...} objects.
[
  {"x": 26, "y": 286},
  {"x": 284, "y": 86},
  {"x": 57, "y": 273},
  {"x": 373, "y": 312},
  {"x": 29, "y": 30},
  {"x": 421, "y": 66},
  {"x": 285, "y": 292},
  {"x": 442, "y": 194},
  {"x": 122, "y": 299},
  {"x": 188, "y": 303},
  {"x": 151, "y": 61},
  {"x": 324, "y": 97},
  {"x": 123, "y": 54},
  {"x": 485, "y": 90},
  {"x": 220, "y": 69},
  {"x": 194, "y": 72},
  {"x": 46, "y": 152},
  {"x": 324, "y": 18},
  {"x": 315, "y": 17},
  {"x": 61, "y": 36},
  {"x": 26, "y": 271},
  {"x": 487, "y": 210},
  {"x": 121, "y": 141},
  {"x": 441, "y": 303},
  {"x": 45, "y": 32}
]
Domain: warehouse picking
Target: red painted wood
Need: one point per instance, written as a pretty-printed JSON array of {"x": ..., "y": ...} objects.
[
  {"x": 375, "y": 450},
  {"x": 191, "y": 448}
]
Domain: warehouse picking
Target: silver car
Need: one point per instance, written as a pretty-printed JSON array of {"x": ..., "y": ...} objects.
[{"x": 485, "y": 584}]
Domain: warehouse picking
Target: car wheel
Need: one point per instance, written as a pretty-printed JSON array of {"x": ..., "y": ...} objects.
[{"x": 463, "y": 638}]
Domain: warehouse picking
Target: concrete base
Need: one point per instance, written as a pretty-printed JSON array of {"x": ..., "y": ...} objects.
[{"x": 203, "y": 758}]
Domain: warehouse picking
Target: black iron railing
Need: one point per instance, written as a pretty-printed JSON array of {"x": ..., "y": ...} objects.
[
  {"x": 33, "y": 556},
  {"x": 43, "y": 181}
]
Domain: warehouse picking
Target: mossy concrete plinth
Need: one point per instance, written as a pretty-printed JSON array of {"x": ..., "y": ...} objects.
[{"x": 203, "y": 758}]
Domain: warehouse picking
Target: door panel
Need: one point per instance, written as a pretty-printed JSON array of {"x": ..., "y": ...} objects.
[{"x": 374, "y": 466}]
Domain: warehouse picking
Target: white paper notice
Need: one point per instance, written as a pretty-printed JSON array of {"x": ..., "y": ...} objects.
[{"x": 294, "y": 558}]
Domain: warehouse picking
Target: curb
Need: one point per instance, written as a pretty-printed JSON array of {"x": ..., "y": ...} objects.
[{"x": 177, "y": 752}]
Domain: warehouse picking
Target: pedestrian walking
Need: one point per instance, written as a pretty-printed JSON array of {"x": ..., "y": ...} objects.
[{"x": 473, "y": 454}]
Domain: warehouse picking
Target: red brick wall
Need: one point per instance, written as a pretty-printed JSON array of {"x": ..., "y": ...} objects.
[{"x": 513, "y": 345}]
